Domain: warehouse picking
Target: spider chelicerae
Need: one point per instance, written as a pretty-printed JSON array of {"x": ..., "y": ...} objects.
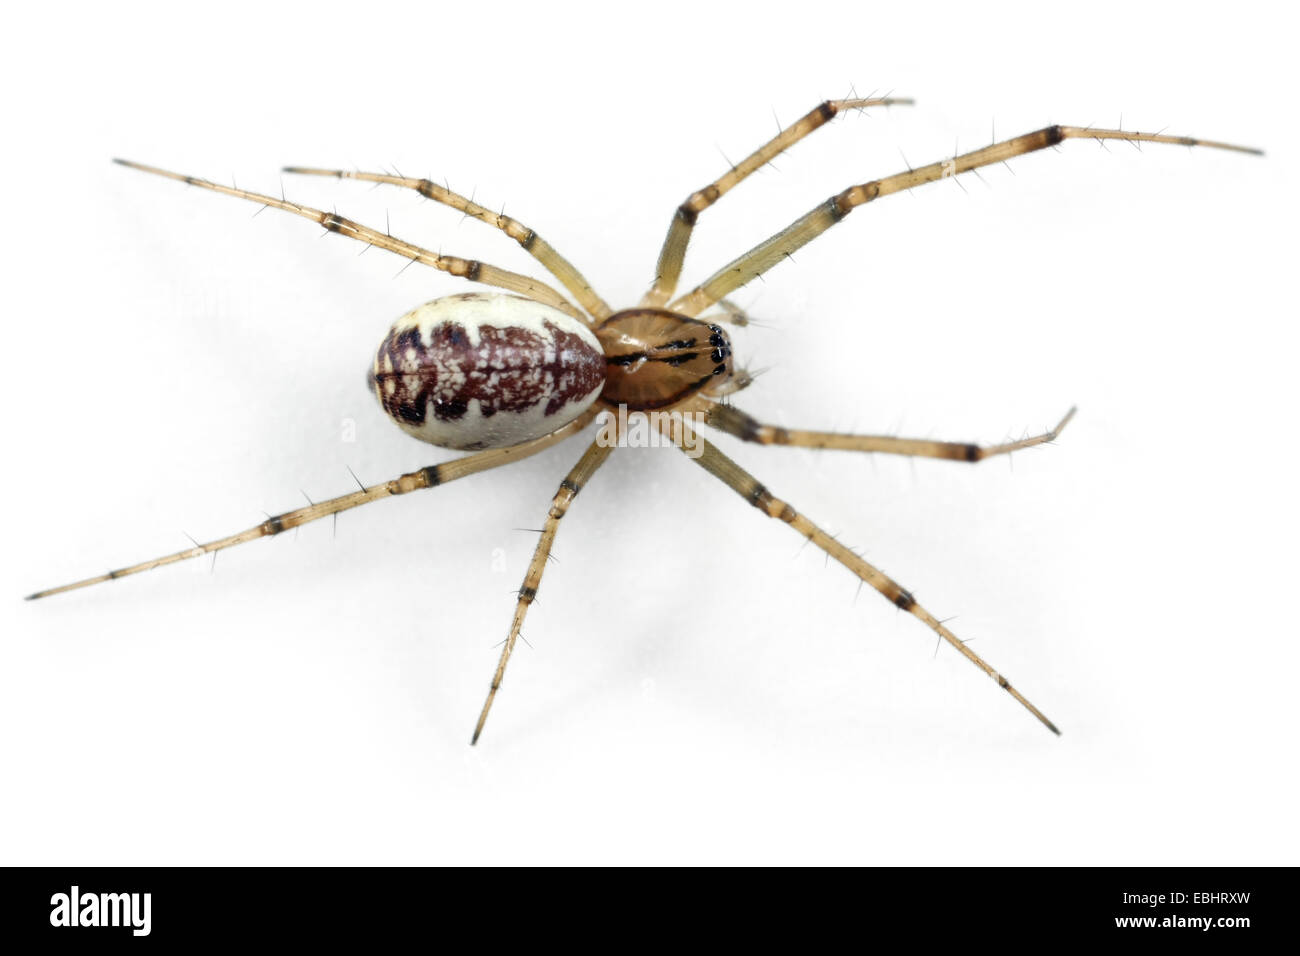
[{"x": 508, "y": 375}]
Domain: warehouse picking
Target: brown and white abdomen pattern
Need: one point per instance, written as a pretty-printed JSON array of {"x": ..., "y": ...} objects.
[{"x": 483, "y": 370}]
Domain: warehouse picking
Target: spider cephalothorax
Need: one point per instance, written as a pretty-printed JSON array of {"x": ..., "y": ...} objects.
[
  {"x": 514, "y": 374},
  {"x": 656, "y": 358}
]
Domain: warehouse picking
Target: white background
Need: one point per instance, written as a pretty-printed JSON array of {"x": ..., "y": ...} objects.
[{"x": 699, "y": 688}]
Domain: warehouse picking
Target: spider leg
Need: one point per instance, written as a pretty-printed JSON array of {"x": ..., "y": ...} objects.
[
  {"x": 729, "y": 312},
  {"x": 733, "y": 421},
  {"x": 753, "y": 491},
  {"x": 592, "y": 459},
  {"x": 470, "y": 269},
  {"x": 813, "y": 223},
  {"x": 533, "y": 244},
  {"x": 741, "y": 379},
  {"x": 673, "y": 252},
  {"x": 429, "y": 477}
]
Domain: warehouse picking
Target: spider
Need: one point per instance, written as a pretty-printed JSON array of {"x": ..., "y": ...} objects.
[{"x": 505, "y": 375}]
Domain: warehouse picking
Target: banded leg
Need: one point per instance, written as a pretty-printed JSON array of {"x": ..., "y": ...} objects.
[
  {"x": 673, "y": 253},
  {"x": 813, "y": 223},
  {"x": 592, "y": 459},
  {"x": 470, "y": 269},
  {"x": 533, "y": 244},
  {"x": 429, "y": 477},
  {"x": 753, "y": 491},
  {"x": 735, "y": 422}
]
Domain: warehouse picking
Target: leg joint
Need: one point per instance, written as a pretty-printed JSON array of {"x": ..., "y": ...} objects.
[{"x": 765, "y": 501}]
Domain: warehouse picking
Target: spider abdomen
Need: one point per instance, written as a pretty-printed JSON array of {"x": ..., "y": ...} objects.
[
  {"x": 655, "y": 358},
  {"x": 482, "y": 370}
]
